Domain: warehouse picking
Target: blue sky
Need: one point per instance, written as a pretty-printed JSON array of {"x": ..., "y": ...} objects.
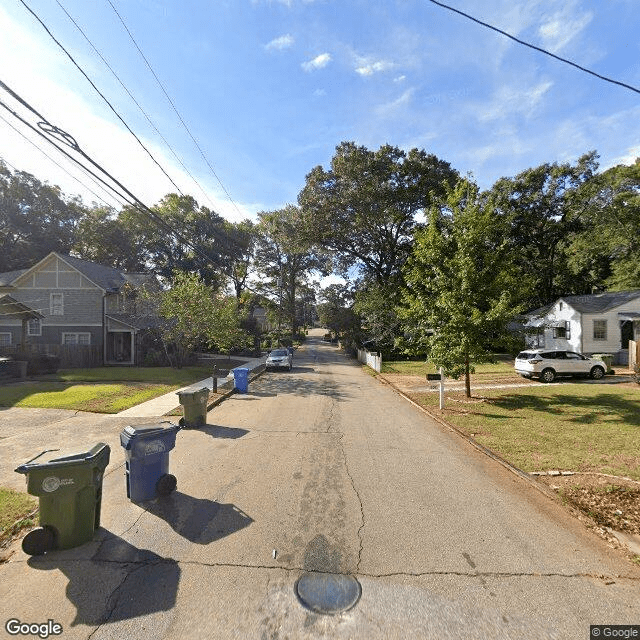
[{"x": 270, "y": 87}]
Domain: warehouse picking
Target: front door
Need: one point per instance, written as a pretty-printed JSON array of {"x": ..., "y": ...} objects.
[{"x": 120, "y": 347}]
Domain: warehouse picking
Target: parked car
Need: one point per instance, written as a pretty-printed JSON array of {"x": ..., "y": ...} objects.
[
  {"x": 548, "y": 365},
  {"x": 326, "y": 337},
  {"x": 279, "y": 359}
]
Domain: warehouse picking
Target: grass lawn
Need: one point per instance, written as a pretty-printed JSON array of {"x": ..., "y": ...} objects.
[
  {"x": 97, "y": 398},
  {"x": 572, "y": 427},
  {"x": 155, "y": 375},
  {"x": 101, "y": 389},
  {"x": 504, "y": 366},
  {"x": 14, "y": 509}
]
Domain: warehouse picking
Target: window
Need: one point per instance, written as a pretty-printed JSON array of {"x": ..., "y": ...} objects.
[
  {"x": 599, "y": 329},
  {"x": 34, "y": 327},
  {"x": 536, "y": 338},
  {"x": 56, "y": 304},
  {"x": 5, "y": 339},
  {"x": 76, "y": 338},
  {"x": 563, "y": 332}
]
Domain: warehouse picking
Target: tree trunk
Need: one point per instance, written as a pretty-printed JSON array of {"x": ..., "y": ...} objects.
[{"x": 467, "y": 377}]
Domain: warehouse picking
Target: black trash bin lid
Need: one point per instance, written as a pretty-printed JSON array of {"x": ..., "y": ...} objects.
[{"x": 101, "y": 450}]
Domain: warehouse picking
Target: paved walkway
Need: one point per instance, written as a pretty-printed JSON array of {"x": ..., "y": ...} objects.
[{"x": 169, "y": 401}]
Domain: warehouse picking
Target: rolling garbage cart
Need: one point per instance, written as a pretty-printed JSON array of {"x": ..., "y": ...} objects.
[
  {"x": 241, "y": 379},
  {"x": 194, "y": 406},
  {"x": 147, "y": 450},
  {"x": 69, "y": 488}
]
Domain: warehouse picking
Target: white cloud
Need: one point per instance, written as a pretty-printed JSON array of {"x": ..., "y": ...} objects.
[
  {"x": 368, "y": 67},
  {"x": 42, "y": 76},
  {"x": 508, "y": 101},
  {"x": 390, "y": 108},
  {"x": 317, "y": 63},
  {"x": 559, "y": 28},
  {"x": 278, "y": 44},
  {"x": 400, "y": 79},
  {"x": 319, "y": 93}
]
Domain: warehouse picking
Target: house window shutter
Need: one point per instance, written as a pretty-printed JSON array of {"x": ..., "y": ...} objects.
[{"x": 567, "y": 328}]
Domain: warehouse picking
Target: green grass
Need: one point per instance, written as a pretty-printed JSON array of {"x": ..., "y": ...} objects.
[
  {"x": 14, "y": 508},
  {"x": 574, "y": 427},
  {"x": 97, "y": 398},
  {"x": 421, "y": 368},
  {"x": 155, "y": 375}
]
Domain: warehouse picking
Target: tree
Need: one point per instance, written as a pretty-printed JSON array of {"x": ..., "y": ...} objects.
[
  {"x": 545, "y": 206},
  {"x": 364, "y": 209},
  {"x": 113, "y": 240},
  {"x": 336, "y": 312},
  {"x": 608, "y": 248},
  {"x": 283, "y": 261},
  {"x": 197, "y": 316},
  {"x": 460, "y": 284},
  {"x": 242, "y": 242},
  {"x": 35, "y": 219}
]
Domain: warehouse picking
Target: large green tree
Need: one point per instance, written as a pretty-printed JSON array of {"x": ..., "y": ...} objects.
[
  {"x": 608, "y": 248},
  {"x": 365, "y": 208},
  {"x": 461, "y": 289},
  {"x": 283, "y": 261},
  {"x": 545, "y": 207},
  {"x": 35, "y": 219}
]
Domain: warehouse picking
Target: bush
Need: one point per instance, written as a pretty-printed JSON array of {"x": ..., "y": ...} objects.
[
  {"x": 636, "y": 373},
  {"x": 39, "y": 363}
]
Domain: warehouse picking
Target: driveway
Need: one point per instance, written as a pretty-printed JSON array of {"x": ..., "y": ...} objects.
[{"x": 320, "y": 470}]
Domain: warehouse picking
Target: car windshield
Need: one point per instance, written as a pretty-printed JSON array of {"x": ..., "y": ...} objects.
[{"x": 279, "y": 352}]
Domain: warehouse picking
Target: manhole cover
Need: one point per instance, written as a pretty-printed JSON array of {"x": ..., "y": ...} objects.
[{"x": 328, "y": 593}]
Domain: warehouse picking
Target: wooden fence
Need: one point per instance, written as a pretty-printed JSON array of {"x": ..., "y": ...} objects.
[
  {"x": 634, "y": 353},
  {"x": 71, "y": 355}
]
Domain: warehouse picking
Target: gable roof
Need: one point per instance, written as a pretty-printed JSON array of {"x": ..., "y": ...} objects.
[
  {"x": 599, "y": 302},
  {"x": 8, "y": 277},
  {"x": 593, "y": 303},
  {"x": 106, "y": 278}
]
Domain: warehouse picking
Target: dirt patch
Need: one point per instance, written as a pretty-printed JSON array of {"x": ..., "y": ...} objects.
[{"x": 610, "y": 502}]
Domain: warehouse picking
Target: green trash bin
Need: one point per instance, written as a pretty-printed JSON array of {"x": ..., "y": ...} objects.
[
  {"x": 69, "y": 489},
  {"x": 194, "y": 406}
]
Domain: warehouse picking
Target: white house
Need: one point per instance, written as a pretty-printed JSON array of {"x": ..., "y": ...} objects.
[{"x": 596, "y": 323}]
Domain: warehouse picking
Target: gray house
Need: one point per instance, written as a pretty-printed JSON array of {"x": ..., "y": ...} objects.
[
  {"x": 63, "y": 304},
  {"x": 596, "y": 323}
]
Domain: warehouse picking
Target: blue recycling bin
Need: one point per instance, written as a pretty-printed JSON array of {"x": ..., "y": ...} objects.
[
  {"x": 147, "y": 450},
  {"x": 241, "y": 379}
]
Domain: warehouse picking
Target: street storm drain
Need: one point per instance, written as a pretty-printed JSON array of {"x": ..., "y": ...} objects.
[{"x": 328, "y": 593}]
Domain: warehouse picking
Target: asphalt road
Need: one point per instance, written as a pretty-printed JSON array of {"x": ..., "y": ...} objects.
[{"x": 336, "y": 473}]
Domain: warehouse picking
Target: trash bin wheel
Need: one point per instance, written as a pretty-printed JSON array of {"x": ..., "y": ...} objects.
[
  {"x": 166, "y": 484},
  {"x": 39, "y": 541}
]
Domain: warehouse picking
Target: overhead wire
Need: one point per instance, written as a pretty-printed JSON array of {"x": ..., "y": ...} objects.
[
  {"x": 45, "y": 127},
  {"x": 31, "y": 142},
  {"x": 44, "y": 26},
  {"x": 184, "y": 124},
  {"x": 144, "y": 113},
  {"x": 533, "y": 46}
]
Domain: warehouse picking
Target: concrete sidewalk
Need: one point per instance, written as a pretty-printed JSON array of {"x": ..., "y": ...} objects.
[{"x": 169, "y": 401}]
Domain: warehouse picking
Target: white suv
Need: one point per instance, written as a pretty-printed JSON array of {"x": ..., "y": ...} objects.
[{"x": 548, "y": 365}]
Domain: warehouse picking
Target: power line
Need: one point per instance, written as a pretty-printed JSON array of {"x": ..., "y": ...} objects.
[
  {"x": 144, "y": 113},
  {"x": 100, "y": 94},
  {"x": 184, "y": 124},
  {"x": 533, "y": 46},
  {"x": 44, "y": 153},
  {"x": 45, "y": 127}
]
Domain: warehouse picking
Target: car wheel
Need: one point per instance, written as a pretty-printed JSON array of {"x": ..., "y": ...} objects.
[
  {"x": 597, "y": 373},
  {"x": 548, "y": 375}
]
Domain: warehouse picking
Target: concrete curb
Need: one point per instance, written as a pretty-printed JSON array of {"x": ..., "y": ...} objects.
[{"x": 474, "y": 443}]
